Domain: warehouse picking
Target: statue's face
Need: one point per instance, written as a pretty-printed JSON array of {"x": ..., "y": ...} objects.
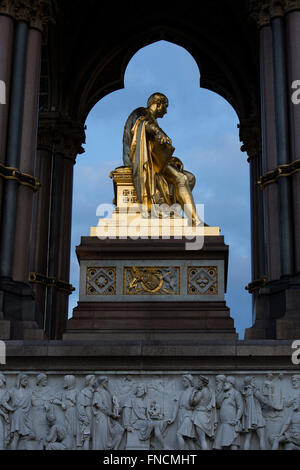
[
  {"x": 140, "y": 391},
  {"x": 185, "y": 382},
  {"x": 92, "y": 382},
  {"x": 161, "y": 108},
  {"x": 43, "y": 382},
  {"x": 24, "y": 381},
  {"x": 227, "y": 386}
]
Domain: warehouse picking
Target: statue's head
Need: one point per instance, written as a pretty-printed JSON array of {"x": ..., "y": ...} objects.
[
  {"x": 90, "y": 380},
  {"x": 249, "y": 380},
  {"x": 69, "y": 381},
  {"x": 158, "y": 103},
  {"x": 202, "y": 381},
  {"x": 103, "y": 380},
  {"x": 21, "y": 381},
  {"x": 41, "y": 380},
  {"x": 229, "y": 383},
  {"x": 140, "y": 390},
  {"x": 187, "y": 380}
]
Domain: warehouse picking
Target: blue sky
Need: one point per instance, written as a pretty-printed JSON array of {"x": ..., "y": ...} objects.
[{"x": 203, "y": 129}]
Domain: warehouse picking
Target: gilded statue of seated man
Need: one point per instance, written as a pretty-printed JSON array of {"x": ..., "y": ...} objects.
[{"x": 158, "y": 176}]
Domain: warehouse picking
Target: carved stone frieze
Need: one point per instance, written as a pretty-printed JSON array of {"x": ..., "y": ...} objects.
[{"x": 131, "y": 411}]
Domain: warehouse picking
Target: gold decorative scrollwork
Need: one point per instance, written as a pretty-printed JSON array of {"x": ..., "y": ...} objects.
[{"x": 159, "y": 280}]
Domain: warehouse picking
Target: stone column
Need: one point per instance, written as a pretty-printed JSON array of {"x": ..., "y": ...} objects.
[
  {"x": 293, "y": 54},
  {"x": 17, "y": 296},
  {"x": 59, "y": 143},
  {"x": 282, "y": 138},
  {"x": 41, "y": 213},
  {"x": 6, "y": 47},
  {"x": 250, "y": 136},
  {"x": 65, "y": 240},
  {"x": 279, "y": 298},
  {"x": 27, "y": 157},
  {"x": 13, "y": 149},
  {"x": 269, "y": 155}
]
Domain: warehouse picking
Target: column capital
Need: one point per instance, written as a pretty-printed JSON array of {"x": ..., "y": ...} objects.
[
  {"x": 7, "y": 7},
  {"x": 259, "y": 12},
  {"x": 263, "y": 11},
  {"x": 61, "y": 135},
  {"x": 250, "y": 136},
  {"x": 35, "y": 12},
  {"x": 292, "y": 5}
]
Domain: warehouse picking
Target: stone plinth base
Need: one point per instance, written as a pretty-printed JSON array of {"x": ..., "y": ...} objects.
[{"x": 152, "y": 285}]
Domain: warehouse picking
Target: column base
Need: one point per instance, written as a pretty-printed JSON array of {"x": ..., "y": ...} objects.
[
  {"x": 276, "y": 308},
  {"x": 20, "y": 312}
]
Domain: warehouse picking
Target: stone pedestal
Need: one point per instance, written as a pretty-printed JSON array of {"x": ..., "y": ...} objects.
[
  {"x": 150, "y": 275},
  {"x": 136, "y": 288}
]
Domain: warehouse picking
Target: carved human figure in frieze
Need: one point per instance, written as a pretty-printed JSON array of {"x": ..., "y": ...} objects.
[
  {"x": 289, "y": 434},
  {"x": 58, "y": 436},
  {"x": 272, "y": 390},
  {"x": 253, "y": 420},
  {"x": 294, "y": 392},
  {"x": 183, "y": 413},
  {"x": 84, "y": 407},
  {"x": 273, "y": 409},
  {"x": 5, "y": 409},
  {"x": 107, "y": 431},
  {"x": 67, "y": 399},
  {"x": 230, "y": 403},
  {"x": 41, "y": 396},
  {"x": 204, "y": 412},
  {"x": 21, "y": 422},
  {"x": 143, "y": 417},
  {"x": 220, "y": 380}
]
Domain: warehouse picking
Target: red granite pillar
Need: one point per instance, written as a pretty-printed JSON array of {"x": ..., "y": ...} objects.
[
  {"x": 6, "y": 46},
  {"x": 27, "y": 157},
  {"x": 263, "y": 325},
  {"x": 59, "y": 143},
  {"x": 293, "y": 53},
  {"x": 269, "y": 155},
  {"x": 41, "y": 220},
  {"x": 62, "y": 298}
]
